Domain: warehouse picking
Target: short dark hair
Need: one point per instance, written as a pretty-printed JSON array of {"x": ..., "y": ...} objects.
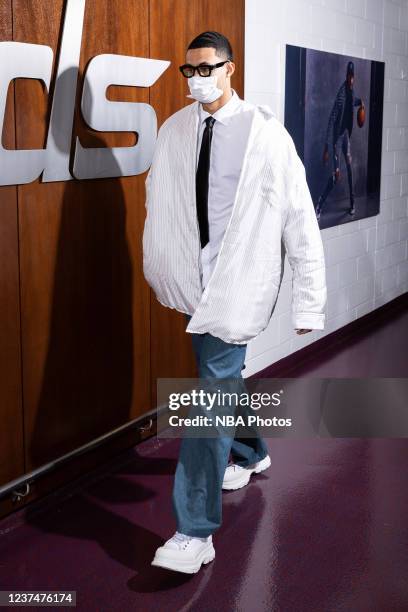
[{"x": 213, "y": 39}]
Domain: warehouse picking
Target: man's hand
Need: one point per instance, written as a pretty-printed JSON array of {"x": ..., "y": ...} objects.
[{"x": 302, "y": 331}]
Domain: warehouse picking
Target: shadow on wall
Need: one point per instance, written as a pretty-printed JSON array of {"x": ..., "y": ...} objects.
[{"x": 86, "y": 388}]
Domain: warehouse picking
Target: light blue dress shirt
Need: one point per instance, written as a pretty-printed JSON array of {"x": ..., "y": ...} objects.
[{"x": 229, "y": 140}]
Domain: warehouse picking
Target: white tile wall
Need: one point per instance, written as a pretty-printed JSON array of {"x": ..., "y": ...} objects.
[{"x": 367, "y": 259}]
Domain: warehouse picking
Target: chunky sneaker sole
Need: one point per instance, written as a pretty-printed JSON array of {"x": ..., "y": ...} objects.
[
  {"x": 165, "y": 558},
  {"x": 244, "y": 475}
]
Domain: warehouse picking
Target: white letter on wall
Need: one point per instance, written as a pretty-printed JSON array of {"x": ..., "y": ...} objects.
[
  {"x": 108, "y": 116},
  {"x": 32, "y": 62}
]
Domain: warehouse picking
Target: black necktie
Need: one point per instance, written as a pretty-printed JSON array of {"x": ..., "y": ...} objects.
[{"x": 203, "y": 170}]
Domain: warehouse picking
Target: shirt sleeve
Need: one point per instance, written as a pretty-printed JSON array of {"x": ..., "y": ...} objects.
[
  {"x": 152, "y": 165},
  {"x": 304, "y": 248},
  {"x": 147, "y": 186}
]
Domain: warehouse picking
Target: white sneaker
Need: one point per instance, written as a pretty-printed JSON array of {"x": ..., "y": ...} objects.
[
  {"x": 184, "y": 553},
  {"x": 237, "y": 476}
]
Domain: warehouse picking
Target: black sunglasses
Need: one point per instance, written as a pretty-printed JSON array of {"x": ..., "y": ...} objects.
[{"x": 205, "y": 70}]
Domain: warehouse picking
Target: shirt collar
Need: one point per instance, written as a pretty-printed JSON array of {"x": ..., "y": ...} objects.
[{"x": 223, "y": 114}]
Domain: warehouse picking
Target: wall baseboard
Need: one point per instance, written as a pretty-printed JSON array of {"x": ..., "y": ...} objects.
[{"x": 327, "y": 346}]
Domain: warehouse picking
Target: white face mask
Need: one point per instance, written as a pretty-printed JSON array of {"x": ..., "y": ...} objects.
[{"x": 204, "y": 89}]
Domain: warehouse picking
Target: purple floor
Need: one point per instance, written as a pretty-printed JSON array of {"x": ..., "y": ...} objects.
[{"x": 325, "y": 529}]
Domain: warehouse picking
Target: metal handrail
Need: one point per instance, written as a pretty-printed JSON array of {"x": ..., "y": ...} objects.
[{"x": 26, "y": 479}]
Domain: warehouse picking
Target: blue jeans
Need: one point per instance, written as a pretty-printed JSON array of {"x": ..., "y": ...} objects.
[{"x": 197, "y": 489}]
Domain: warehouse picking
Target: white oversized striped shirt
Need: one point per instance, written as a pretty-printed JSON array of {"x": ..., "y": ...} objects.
[{"x": 272, "y": 213}]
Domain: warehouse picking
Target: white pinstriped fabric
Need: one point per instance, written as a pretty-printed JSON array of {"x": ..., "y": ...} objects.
[{"x": 272, "y": 213}]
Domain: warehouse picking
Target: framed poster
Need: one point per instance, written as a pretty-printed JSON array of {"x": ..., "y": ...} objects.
[{"x": 334, "y": 113}]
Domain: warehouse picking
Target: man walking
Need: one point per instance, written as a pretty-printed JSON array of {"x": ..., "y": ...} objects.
[
  {"x": 340, "y": 127},
  {"x": 226, "y": 192}
]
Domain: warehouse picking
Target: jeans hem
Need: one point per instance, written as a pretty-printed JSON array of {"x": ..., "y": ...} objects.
[
  {"x": 193, "y": 533},
  {"x": 246, "y": 462}
]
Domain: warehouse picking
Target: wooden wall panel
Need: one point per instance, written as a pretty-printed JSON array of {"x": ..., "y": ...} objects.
[
  {"x": 85, "y": 303},
  {"x": 11, "y": 430}
]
